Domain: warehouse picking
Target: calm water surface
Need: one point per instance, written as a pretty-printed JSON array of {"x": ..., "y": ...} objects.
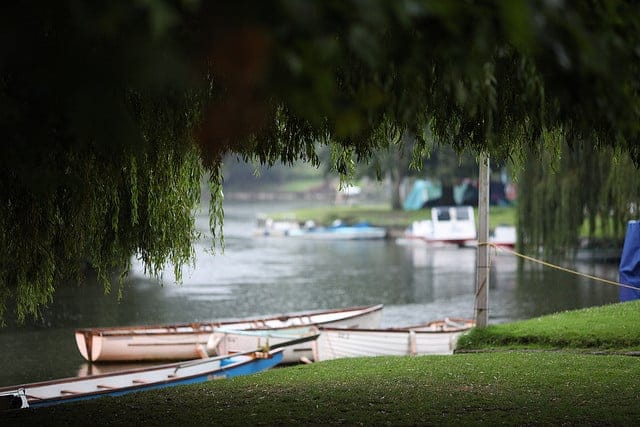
[{"x": 258, "y": 276}]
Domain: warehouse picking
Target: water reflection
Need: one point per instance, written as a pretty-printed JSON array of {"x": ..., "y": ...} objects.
[{"x": 258, "y": 276}]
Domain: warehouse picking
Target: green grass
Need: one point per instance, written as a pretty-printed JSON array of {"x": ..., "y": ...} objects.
[
  {"x": 491, "y": 389},
  {"x": 523, "y": 387},
  {"x": 614, "y": 327}
]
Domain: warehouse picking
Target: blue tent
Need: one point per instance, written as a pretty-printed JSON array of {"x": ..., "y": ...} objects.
[
  {"x": 629, "y": 273},
  {"x": 422, "y": 192}
]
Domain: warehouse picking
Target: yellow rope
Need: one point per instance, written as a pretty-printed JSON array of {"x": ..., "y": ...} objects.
[{"x": 557, "y": 267}]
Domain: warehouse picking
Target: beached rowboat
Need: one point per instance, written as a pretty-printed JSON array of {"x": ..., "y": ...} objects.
[
  {"x": 189, "y": 340},
  {"x": 438, "y": 337},
  {"x": 127, "y": 381},
  {"x": 123, "y": 382}
]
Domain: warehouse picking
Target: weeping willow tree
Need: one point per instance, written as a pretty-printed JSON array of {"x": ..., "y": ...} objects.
[
  {"x": 112, "y": 112},
  {"x": 574, "y": 193},
  {"x": 97, "y": 208}
]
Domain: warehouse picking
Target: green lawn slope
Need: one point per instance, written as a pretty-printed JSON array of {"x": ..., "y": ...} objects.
[{"x": 614, "y": 328}]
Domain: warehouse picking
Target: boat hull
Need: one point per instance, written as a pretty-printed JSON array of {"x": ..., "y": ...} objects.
[
  {"x": 449, "y": 225},
  {"x": 427, "y": 339},
  {"x": 189, "y": 341},
  {"x": 355, "y": 233},
  {"x": 119, "y": 383}
]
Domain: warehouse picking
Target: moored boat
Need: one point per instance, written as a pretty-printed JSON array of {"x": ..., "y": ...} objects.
[
  {"x": 340, "y": 231},
  {"x": 437, "y": 337},
  {"x": 268, "y": 227},
  {"x": 189, "y": 340},
  {"x": 449, "y": 225},
  {"x": 118, "y": 383},
  {"x": 504, "y": 236}
]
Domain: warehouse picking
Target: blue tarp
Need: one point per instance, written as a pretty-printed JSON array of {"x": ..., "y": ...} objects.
[
  {"x": 422, "y": 192},
  {"x": 629, "y": 273}
]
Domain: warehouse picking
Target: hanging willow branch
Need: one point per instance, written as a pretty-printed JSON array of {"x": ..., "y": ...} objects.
[
  {"x": 102, "y": 208},
  {"x": 574, "y": 192}
]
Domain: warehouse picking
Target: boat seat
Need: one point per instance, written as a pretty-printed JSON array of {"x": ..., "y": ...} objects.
[
  {"x": 108, "y": 387},
  {"x": 453, "y": 323},
  {"x": 201, "y": 351},
  {"x": 259, "y": 323},
  {"x": 69, "y": 392},
  {"x": 139, "y": 381},
  {"x": 213, "y": 343}
]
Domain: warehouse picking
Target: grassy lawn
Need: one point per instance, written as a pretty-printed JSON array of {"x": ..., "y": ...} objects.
[
  {"x": 611, "y": 328},
  {"x": 490, "y": 389},
  {"x": 515, "y": 387}
]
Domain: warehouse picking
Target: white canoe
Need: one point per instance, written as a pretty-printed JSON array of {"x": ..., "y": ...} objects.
[
  {"x": 438, "y": 337},
  {"x": 189, "y": 340}
]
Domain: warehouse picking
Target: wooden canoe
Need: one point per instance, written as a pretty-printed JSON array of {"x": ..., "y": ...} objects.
[
  {"x": 127, "y": 381},
  {"x": 189, "y": 340},
  {"x": 438, "y": 337}
]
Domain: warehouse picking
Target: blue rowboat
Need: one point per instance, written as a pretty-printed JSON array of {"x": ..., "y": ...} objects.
[{"x": 128, "y": 381}]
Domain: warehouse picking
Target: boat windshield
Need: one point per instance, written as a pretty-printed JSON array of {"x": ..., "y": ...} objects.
[{"x": 462, "y": 213}]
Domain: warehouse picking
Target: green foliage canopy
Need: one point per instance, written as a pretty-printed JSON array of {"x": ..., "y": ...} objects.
[{"x": 111, "y": 112}]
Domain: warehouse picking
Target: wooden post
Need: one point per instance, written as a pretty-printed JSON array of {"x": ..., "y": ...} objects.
[{"x": 482, "y": 259}]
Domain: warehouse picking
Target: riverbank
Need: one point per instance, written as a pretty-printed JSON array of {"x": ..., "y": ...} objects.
[
  {"x": 382, "y": 215},
  {"x": 566, "y": 382}
]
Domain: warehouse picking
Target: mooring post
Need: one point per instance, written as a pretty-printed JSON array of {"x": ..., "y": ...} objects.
[{"x": 482, "y": 258}]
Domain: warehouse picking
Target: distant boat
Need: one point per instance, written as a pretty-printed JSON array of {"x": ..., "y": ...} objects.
[
  {"x": 451, "y": 225},
  {"x": 438, "y": 337},
  {"x": 118, "y": 383},
  {"x": 269, "y": 227},
  {"x": 339, "y": 231},
  {"x": 504, "y": 236},
  {"x": 186, "y": 341}
]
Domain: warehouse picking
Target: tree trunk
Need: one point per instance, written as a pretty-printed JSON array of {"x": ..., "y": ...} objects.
[{"x": 396, "y": 200}]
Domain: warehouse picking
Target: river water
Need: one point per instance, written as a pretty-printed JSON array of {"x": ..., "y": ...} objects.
[{"x": 256, "y": 276}]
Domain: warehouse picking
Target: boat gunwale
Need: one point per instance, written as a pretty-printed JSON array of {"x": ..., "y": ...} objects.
[
  {"x": 168, "y": 329},
  {"x": 404, "y": 329}
]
